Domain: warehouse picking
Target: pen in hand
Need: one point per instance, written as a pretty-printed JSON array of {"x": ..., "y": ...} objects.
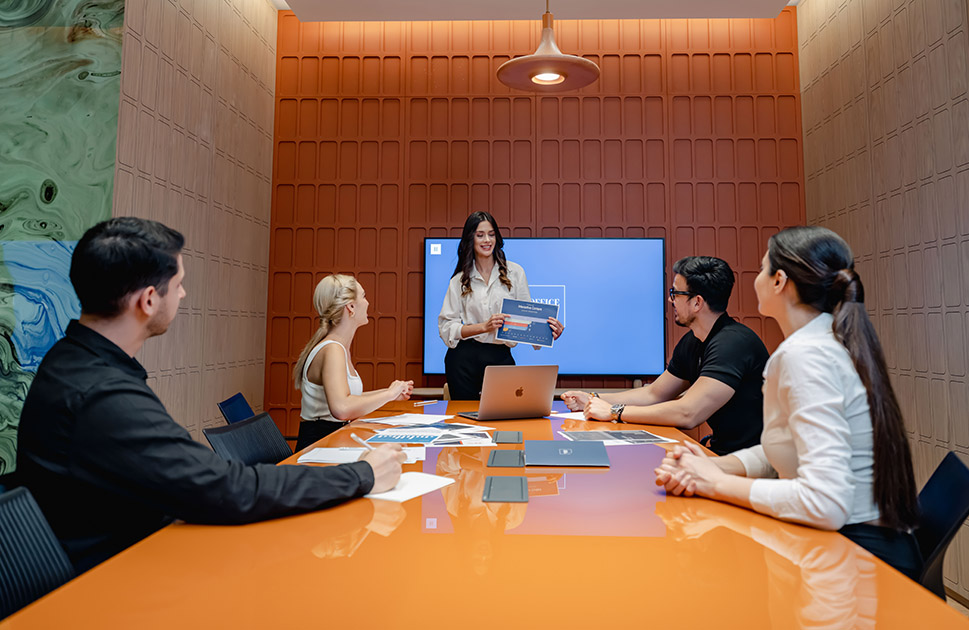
[{"x": 356, "y": 438}]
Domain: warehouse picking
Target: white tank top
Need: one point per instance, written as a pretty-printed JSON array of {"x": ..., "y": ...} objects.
[{"x": 314, "y": 406}]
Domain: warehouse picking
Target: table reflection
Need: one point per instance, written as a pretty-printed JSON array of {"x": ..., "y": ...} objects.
[
  {"x": 354, "y": 524},
  {"x": 562, "y": 501},
  {"x": 815, "y": 579}
]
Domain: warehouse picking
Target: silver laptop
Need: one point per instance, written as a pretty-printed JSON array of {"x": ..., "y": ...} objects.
[{"x": 516, "y": 391}]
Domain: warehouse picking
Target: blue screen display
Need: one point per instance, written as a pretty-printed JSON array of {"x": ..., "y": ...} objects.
[{"x": 610, "y": 293}]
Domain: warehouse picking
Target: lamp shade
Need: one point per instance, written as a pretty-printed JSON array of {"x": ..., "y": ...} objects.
[{"x": 548, "y": 69}]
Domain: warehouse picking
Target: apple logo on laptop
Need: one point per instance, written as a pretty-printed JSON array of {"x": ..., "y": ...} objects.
[{"x": 520, "y": 392}]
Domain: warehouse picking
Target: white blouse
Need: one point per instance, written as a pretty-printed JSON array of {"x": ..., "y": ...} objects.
[
  {"x": 817, "y": 434},
  {"x": 314, "y": 405},
  {"x": 483, "y": 302}
]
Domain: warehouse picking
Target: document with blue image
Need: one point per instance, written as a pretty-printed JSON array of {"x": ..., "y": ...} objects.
[{"x": 527, "y": 322}]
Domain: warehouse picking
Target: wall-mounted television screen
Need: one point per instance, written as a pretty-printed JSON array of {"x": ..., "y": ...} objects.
[{"x": 610, "y": 293}]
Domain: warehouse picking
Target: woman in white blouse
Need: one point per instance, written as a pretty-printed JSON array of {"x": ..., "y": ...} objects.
[
  {"x": 332, "y": 389},
  {"x": 471, "y": 314},
  {"x": 833, "y": 431}
]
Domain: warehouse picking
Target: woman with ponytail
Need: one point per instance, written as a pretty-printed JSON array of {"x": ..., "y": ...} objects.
[
  {"x": 332, "y": 389},
  {"x": 471, "y": 314},
  {"x": 833, "y": 430}
]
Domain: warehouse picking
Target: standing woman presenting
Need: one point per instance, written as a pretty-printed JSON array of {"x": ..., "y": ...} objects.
[
  {"x": 332, "y": 389},
  {"x": 471, "y": 314}
]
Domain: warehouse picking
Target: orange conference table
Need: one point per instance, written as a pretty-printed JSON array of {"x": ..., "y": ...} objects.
[{"x": 592, "y": 548}]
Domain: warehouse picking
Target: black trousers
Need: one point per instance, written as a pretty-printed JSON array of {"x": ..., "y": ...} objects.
[
  {"x": 898, "y": 549},
  {"x": 313, "y": 430},
  {"x": 464, "y": 366}
]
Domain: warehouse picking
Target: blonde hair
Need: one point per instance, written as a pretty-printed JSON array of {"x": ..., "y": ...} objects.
[{"x": 332, "y": 294}]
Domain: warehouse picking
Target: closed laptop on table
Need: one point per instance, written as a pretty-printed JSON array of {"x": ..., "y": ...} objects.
[{"x": 516, "y": 391}]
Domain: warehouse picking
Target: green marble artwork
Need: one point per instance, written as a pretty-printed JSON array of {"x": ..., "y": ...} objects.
[{"x": 60, "y": 79}]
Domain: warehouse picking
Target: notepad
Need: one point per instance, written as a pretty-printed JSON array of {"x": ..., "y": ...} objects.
[{"x": 412, "y": 485}]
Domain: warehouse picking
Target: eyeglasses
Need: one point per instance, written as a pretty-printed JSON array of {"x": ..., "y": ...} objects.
[{"x": 674, "y": 293}]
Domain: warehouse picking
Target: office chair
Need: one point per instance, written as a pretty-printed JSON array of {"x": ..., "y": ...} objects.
[
  {"x": 32, "y": 562},
  {"x": 255, "y": 440},
  {"x": 944, "y": 505},
  {"x": 235, "y": 408}
]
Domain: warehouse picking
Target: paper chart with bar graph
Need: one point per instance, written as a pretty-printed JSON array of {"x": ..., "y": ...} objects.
[{"x": 527, "y": 322}]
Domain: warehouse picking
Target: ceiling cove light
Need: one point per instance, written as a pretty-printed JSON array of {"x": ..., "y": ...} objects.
[{"x": 548, "y": 69}]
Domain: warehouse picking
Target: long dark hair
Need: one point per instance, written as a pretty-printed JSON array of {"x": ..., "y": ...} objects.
[
  {"x": 466, "y": 251},
  {"x": 821, "y": 266}
]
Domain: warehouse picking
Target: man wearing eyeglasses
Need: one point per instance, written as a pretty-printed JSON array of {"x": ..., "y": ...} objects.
[{"x": 715, "y": 374}]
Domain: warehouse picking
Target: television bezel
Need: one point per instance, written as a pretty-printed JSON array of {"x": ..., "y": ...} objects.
[{"x": 663, "y": 297}]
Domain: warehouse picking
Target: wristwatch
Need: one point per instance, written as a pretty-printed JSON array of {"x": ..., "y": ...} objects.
[{"x": 617, "y": 412}]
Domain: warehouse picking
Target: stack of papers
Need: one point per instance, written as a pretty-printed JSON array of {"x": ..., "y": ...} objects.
[
  {"x": 347, "y": 454},
  {"x": 438, "y": 434},
  {"x": 615, "y": 438},
  {"x": 408, "y": 419}
]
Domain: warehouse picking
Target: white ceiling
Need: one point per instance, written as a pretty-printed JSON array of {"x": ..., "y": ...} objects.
[{"x": 398, "y": 10}]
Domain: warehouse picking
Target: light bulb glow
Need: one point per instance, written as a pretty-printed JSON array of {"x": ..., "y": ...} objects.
[{"x": 548, "y": 78}]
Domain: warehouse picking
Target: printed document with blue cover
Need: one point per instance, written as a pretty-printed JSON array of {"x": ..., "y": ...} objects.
[{"x": 527, "y": 322}]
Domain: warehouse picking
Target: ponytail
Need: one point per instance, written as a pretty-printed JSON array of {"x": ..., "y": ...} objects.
[
  {"x": 332, "y": 294},
  {"x": 894, "y": 486},
  {"x": 821, "y": 265}
]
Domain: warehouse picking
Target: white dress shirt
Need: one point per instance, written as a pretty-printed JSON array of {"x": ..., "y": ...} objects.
[
  {"x": 483, "y": 302},
  {"x": 817, "y": 434}
]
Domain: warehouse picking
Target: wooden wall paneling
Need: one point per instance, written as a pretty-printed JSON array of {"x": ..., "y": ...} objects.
[
  {"x": 194, "y": 153},
  {"x": 692, "y": 133},
  {"x": 886, "y": 110}
]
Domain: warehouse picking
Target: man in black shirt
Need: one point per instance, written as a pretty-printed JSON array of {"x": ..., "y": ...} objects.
[
  {"x": 717, "y": 367},
  {"x": 97, "y": 448}
]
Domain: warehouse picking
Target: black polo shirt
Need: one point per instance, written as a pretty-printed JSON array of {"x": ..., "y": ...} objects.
[
  {"x": 734, "y": 355},
  {"x": 109, "y": 466}
]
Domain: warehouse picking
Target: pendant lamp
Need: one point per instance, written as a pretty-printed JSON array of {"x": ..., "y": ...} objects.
[{"x": 548, "y": 69}]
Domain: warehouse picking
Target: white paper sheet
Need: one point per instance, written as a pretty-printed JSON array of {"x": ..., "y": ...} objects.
[
  {"x": 347, "y": 454},
  {"x": 411, "y": 485},
  {"x": 572, "y": 415},
  {"x": 408, "y": 419},
  {"x": 446, "y": 427}
]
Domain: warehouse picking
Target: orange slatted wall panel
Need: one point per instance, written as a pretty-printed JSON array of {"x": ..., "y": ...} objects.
[{"x": 390, "y": 132}]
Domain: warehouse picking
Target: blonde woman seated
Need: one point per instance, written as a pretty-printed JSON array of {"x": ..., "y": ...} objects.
[
  {"x": 332, "y": 390},
  {"x": 833, "y": 431}
]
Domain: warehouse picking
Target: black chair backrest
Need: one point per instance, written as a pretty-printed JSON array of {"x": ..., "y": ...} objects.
[
  {"x": 235, "y": 408},
  {"x": 32, "y": 562},
  {"x": 944, "y": 503},
  {"x": 253, "y": 441}
]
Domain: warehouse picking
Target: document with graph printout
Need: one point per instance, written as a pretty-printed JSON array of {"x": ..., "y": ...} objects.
[
  {"x": 527, "y": 322},
  {"x": 616, "y": 438}
]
